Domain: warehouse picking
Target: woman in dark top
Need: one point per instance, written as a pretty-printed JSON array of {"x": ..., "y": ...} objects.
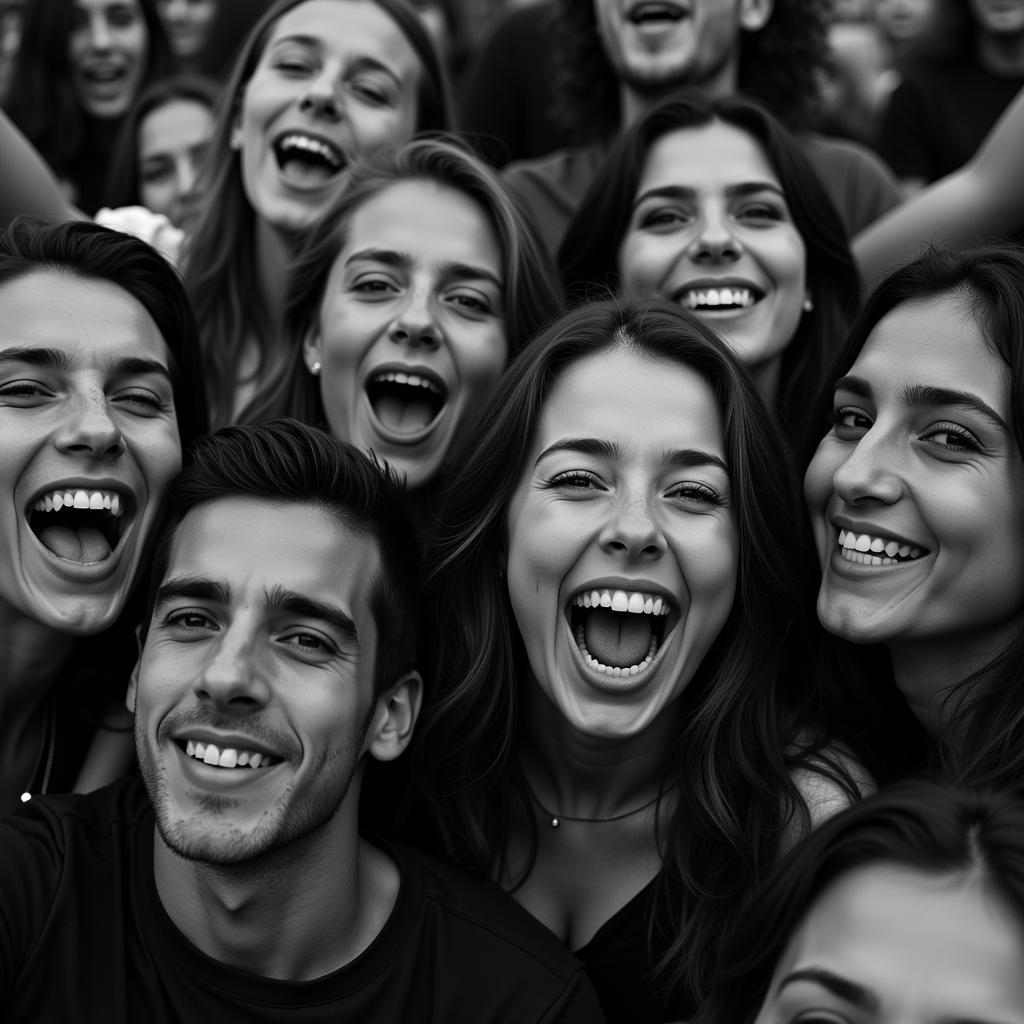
[
  {"x": 100, "y": 392},
  {"x": 617, "y": 732},
  {"x": 80, "y": 66}
]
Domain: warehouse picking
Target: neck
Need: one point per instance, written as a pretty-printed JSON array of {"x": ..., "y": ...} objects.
[
  {"x": 1003, "y": 54},
  {"x": 583, "y": 776},
  {"x": 273, "y": 255},
  {"x": 635, "y": 102},
  {"x": 766, "y": 380},
  {"x": 295, "y": 914}
]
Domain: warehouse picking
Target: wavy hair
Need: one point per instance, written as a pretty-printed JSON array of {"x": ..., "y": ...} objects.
[
  {"x": 928, "y": 828},
  {"x": 778, "y": 66},
  {"x": 983, "y": 742},
  {"x": 588, "y": 255},
  {"x": 221, "y": 272},
  {"x": 747, "y": 716},
  {"x": 531, "y": 294}
]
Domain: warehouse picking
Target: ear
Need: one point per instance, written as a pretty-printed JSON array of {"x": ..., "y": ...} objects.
[
  {"x": 311, "y": 347},
  {"x": 394, "y": 718},
  {"x": 755, "y": 14},
  {"x": 133, "y": 682}
]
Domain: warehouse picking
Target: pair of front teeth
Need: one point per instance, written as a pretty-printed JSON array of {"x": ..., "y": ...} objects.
[
  {"x": 229, "y": 757},
  {"x": 865, "y": 543},
  {"x": 309, "y": 145},
  {"x": 412, "y": 379},
  {"x": 96, "y": 501},
  {"x": 719, "y": 297},
  {"x": 619, "y": 601}
]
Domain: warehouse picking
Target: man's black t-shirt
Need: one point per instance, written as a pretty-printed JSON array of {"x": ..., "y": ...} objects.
[{"x": 84, "y": 937}]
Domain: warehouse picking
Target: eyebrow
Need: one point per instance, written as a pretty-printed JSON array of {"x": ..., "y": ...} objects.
[
  {"x": 457, "y": 270},
  {"x": 198, "y": 588},
  {"x": 361, "y": 63},
  {"x": 680, "y": 457},
  {"x": 57, "y": 359},
  {"x": 740, "y": 189},
  {"x": 921, "y": 395},
  {"x": 843, "y": 988}
]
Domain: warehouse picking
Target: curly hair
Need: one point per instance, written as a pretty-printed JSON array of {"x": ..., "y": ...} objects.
[{"x": 778, "y": 66}]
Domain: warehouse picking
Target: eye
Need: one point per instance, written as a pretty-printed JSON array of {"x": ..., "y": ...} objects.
[
  {"x": 693, "y": 492},
  {"x": 189, "y": 620},
  {"x": 370, "y": 91},
  {"x": 665, "y": 218},
  {"x": 577, "y": 480},
  {"x": 374, "y": 286},
  {"x": 308, "y": 643},
  {"x": 760, "y": 211},
  {"x": 141, "y": 401},
  {"x": 24, "y": 392},
  {"x": 121, "y": 16},
  {"x": 471, "y": 301},
  {"x": 849, "y": 421},
  {"x": 152, "y": 174},
  {"x": 952, "y": 437}
]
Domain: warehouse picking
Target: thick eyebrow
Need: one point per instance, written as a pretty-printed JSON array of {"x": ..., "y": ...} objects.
[
  {"x": 740, "y": 189},
  {"x": 55, "y": 358},
  {"x": 922, "y": 395},
  {"x": 195, "y": 588},
  {"x": 280, "y": 599},
  {"x": 680, "y": 457},
  {"x": 361, "y": 63},
  {"x": 134, "y": 366},
  {"x": 843, "y": 988},
  {"x": 392, "y": 258}
]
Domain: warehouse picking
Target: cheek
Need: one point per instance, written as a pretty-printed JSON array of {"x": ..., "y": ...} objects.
[
  {"x": 643, "y": 262},
  {"x": 479, "y": 356}
]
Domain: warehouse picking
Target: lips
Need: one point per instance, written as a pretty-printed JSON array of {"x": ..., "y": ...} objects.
[
  {"x": 406, "y": 402},
  {"x": 655, "y": 12},
  {"x": 308, "y": 159},
  {"x": 81, "y": 522}
]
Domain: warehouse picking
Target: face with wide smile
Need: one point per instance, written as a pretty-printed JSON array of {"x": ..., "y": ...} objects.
[
  {"x": 254, "y": 689},
  {"x": 337, "y": 78},
  {"x": 411, "y": 334},
  {"x": 622, "y": 543},
  {"x": 917, "y": 492},
  {"x": 888, "y": 945},
  {"x": 90, "y": 441},
  {"x": 107, "y": 52},
  {"x": 711, "y": 230}
]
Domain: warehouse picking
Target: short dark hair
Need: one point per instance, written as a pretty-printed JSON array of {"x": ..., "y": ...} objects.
[
  {"x": 285, "y": 460},
  {"x": 927, "y": 827},
  {"x": 87, "y": 250}
]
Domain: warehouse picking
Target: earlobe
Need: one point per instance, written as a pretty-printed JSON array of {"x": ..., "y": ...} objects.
[
  {"x": 755, "y": 14},
  {"x": 311, "y": 350},
  {"x": 395, "y": 718}
]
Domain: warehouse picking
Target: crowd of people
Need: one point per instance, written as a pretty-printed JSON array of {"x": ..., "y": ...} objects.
[{"x": 512, "y": 513}]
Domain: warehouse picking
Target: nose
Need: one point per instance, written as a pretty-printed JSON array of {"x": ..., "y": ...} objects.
[
  {"x": 871, "y": 471},
  {"x": 322, "y": 98},
  {"x": 185, "y": 176},
  {"x": 90, "y": 429},
  {"x": 714, "y": 241},
  {"x": 632, "y": 529},
  {"x": 416, "y": 323},
  {"x": 99, "y": 32},
  {"x": 232, "y": 680}
]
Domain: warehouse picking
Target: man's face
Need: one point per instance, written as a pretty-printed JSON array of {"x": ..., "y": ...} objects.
[
  {"x": 655, "y": 45},
  {"x": 254, "y": 690}
]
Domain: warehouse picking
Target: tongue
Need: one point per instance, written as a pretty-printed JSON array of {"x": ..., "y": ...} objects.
[
  {"x": 86, "y": 544},
  {"x": 404, "y": 416},
  {"x": 617, "y": 639},
  {"x": 306, "y": 172}
]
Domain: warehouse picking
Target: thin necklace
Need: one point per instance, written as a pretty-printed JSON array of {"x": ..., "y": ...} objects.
[
  {"x": 557, "y": 819},
  {"x": 48, "y": 745}
]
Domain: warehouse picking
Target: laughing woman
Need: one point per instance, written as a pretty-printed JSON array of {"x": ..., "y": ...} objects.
[
  {"x": 916, "y": 495},
  {"x": 318, "y": 82},
  {"x": 619, "y": 736},
  {"x": 99, "y": 378},
  {"x": 408, "y": 299},
  {"x": 712, "y": 204}
]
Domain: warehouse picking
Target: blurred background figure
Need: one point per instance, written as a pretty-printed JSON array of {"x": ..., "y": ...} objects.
[
  {"x": 188, "y": 24},
  {"x": 206, "y": 35},
  {"x": 11, "y": 12}
]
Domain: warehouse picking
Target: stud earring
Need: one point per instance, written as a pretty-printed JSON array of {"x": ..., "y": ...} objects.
[
  {"x": 315, "y": 369},
  {"x": 235, "y": 142},
  {"x": 808, "y": 304}
]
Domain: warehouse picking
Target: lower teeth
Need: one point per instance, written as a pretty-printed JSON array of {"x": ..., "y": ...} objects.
[{"x": 609, "y": 670}]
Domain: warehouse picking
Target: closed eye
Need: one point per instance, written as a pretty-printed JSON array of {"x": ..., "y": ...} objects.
[{"x": 577, "y": 480}]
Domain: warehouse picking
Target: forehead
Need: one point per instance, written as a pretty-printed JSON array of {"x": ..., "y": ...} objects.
[
  {"x": 176, "y": 121},
  {"x": 625, "y": 397},
  {"x": 105, "y": 5},
  {"x": 301, "y": 548},
  {"x": 427, "y": 220},
  {"x": 706, "y": 156},
  {"x": 351, "y": 28},
  {"x": 90, "y": 320},
  {"x": 935, "y": 341}
]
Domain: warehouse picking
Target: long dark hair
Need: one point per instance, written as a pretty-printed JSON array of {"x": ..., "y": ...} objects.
[
  {"x": 588, "y": 255},
  {"x": 221, "y": 274},
  {"x": 747, "y": 718},
  {"x": 983, "y": 744},
  {"x": 925, "y": 827}
]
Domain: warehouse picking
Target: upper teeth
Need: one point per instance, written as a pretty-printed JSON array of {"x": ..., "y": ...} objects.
[
  {"x": 311, "y": 145},
  {"x": 413, "y": 379},
  {"x": 94, "y": 500},
  {"x": 620, "y": 601},
  {"x": 864, "y": 543},
  {"x": 718, "y": 297},
  {"x": 228, "y": 757}
]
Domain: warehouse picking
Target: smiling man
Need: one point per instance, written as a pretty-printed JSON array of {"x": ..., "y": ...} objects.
[{"x": 234, "y": 886}]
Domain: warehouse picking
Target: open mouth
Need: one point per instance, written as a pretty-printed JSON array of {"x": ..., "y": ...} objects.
[
  {"x": 618, "y": 632},
  {"x": 227, "y": 757},
  {"x": 865, "y": 549},
  {"x": 406, "y": 402},
  {"x": 308, "y": 158},
  {"x": 655, "y": 12},
  {"x": 719, "y": 300},
  {"x": 104, "y": 74},
  {"x": 78, "y": 525}
]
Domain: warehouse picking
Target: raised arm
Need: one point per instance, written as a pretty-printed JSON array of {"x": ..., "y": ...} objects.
[
  {"x": 983, "y": 199},
  {"x": 27, "y": 185}
]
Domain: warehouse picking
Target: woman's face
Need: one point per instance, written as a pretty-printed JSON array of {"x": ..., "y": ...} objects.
[
  {"x": 411, "y": 330},
  {"x": 917, "y": 492},
  {"x": 90, "y": 443},
  {"x": 337, "y": 78},
  {"x": 885, "y": 944},
  {"x": 172, "y": 142},
  {"x": 107, "y": 51},
  {"x": 622, "y": 542},
  {"x": 188, "y": 24},
  {"x": 711, "y": 230}
]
